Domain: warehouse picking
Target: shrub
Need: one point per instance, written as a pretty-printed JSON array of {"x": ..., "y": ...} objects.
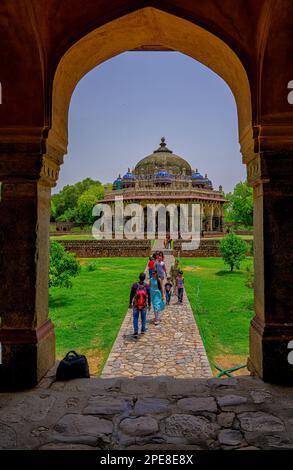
[
  {"x": 233, "y": 250},
  {"x": 63, "y": 266}
]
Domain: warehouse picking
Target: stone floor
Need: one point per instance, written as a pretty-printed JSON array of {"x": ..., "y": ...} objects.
[
  {"x": 159, "y": 413},
  {"x": 174, "y": 347}
]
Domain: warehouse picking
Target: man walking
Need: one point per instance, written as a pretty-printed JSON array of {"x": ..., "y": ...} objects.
[{"x": 140, "y": 299}]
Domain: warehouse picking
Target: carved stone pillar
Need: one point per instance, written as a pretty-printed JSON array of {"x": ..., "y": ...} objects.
[
  {"x": 211, "y": 218},
  {"x": 270, "y": 172},
  {"x": 222, "y": 219},
  {"x": 26, "y": 333},
  {"x": 201, "y": 218}
]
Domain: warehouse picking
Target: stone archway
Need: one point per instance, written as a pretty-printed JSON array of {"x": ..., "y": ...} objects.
[
  {"x": 152, "y": 29},
  {"x": 34, "y": 143},
  {"x": 149, "y": 27},
  {"x": 216, "y": 219}
]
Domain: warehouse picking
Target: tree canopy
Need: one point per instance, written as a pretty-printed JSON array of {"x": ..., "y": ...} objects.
[
  {"x": 239, "y": 210},
  {"x": 86, "y": 202},
  {"x": 74, "y": 203}
]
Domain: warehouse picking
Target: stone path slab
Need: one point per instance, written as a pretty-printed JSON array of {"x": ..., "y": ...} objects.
[
  {"x": 159, "y": 413},
  {"x": 172, "y": 348}
]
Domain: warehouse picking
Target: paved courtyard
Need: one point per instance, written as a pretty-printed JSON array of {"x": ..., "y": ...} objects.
[{"x": 174, "y": 347}]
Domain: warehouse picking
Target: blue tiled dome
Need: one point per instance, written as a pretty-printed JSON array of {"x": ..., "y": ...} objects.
[
  {"x": 117, "y": 183},
  {"x": 163, "y": 174},
  {"x": 129, "y": 176},
  {"x": 206, "y": 180},
  {"x": 196, "y": 175}
]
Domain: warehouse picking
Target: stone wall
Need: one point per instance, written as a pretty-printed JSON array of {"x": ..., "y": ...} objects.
[
  {"x": 107, "y": 248},
  {"x": 69, "y": 232},
  {"x": 62, "y": 226},
  {"x": 207, "y": 248},
  {"x": 209, "y": 234},
  {"x": 244, "y": 232}
]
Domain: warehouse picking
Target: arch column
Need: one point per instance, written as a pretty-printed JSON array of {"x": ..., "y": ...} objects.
[
  {"x": 216, "y": 218},
  {"x": 27, "y": 338},
  {"x": 222, "y": 218},
  {"x": 211, "y": 214},
  {"x": 201, "y": 218},
  {"x": 270, "y": 174}
]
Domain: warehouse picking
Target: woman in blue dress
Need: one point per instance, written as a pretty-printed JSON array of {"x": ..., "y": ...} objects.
[{"x": 157, "y": 298}]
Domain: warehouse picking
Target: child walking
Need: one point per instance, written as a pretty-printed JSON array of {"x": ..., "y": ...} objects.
[
  {"x": 180, "y": 286},
  {"x": 168, "y": 290},
  {"x": 151, "y": 265}
]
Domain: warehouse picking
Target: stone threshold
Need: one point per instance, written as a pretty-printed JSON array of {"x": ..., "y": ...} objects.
[{"x": 159, "y": 413}]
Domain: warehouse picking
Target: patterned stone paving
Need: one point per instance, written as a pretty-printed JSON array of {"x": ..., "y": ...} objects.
[{"x": 173, "y": 348}]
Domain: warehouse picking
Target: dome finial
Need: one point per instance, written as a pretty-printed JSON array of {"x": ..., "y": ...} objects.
[{"x": 163, "y": 146}]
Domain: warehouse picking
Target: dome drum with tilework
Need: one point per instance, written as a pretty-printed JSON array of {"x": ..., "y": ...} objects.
[{"x": 163, "y": 168}]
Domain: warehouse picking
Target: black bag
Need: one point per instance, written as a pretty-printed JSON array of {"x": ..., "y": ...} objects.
[{"x": 73, "y": 366}]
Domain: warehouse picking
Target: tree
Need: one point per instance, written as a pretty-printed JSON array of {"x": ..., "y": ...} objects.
[
  {"x": 240, "y": 207},
  {"x": 69, "y": 205},
  {"x": 66, "y": 199},
  {"x": 68, "y": 216},
  {"x": 86, "y": 202},
  {"x": 233, "y": 250},
  {"x": 63, "y": 266}
]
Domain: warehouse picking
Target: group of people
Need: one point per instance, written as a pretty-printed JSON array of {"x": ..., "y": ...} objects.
[{"x": 156, "y": 293}]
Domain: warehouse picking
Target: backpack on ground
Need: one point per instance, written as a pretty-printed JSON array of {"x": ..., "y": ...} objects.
[{"x": 140, "y": 298}]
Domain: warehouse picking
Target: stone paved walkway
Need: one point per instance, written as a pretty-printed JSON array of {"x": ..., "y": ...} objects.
[
  {"x": 159, "y": 413},
  {"x": 173, "y": 348}
]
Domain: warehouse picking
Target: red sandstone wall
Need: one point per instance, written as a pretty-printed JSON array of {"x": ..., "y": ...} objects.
[
  {"x": 107, "y": 248},
  {"x": 207, "y": 248}
]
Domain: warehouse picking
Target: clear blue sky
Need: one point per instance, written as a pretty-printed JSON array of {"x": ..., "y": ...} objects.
[{"x": 120, "y": 110}]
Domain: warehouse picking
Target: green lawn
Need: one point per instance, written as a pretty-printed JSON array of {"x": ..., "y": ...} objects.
[
  {"x": 244, "y": 237},
  {"x": 223, "y": 307},
  {"x": 72, "y": 237},
  {"x": 88, "y": 316}
]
